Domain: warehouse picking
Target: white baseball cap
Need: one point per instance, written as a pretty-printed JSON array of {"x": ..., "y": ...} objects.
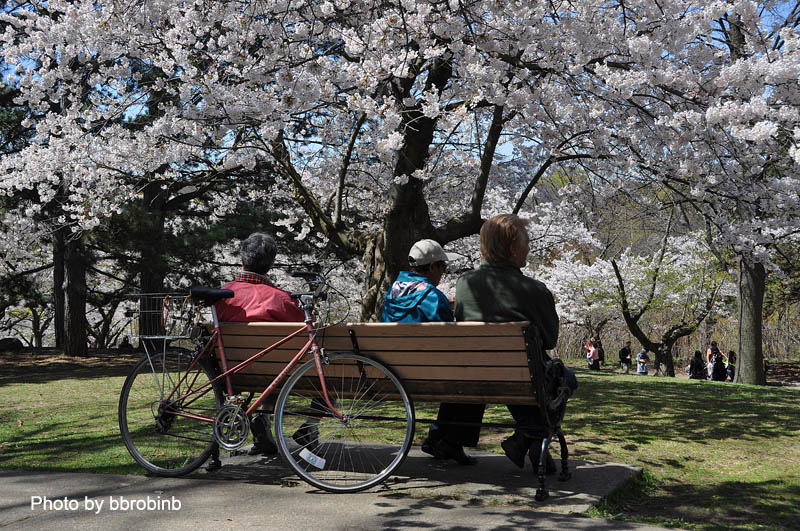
[{"x": 427, "y": 252}]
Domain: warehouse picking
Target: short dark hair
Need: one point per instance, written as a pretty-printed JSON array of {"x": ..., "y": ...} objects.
[
  {"x": 258, "y": 252},
  {"x": 426, "y": 268}
]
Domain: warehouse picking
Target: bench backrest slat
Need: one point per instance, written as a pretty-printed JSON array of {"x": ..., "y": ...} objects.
[{"x": 451, "y": 362}]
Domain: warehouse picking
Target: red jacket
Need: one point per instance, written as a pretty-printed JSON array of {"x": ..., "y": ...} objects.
[{"x": 254, "y": 299}]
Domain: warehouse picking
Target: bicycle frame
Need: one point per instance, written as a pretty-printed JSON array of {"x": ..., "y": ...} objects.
[{"x": 215, "y": 341}]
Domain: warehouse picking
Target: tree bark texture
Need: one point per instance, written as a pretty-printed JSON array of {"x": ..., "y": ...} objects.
[
  {"x": 752, "y": 285},
  {"x": 58, "y": 286},
  {"x": 152, "y": 265},
  {"x": 75, "y": 338},
  {"x": 663, "y": 355},
  {"x": 376, "y": 280}
]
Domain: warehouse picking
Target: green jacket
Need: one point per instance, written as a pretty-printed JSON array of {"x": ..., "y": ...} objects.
[{"x": 499, "y": 292}]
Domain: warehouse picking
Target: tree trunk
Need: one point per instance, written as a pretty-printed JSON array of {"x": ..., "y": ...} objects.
[
  {"x": 376, "y": 280},
  {"x": 752, "y": 284},
  {"x": 75, "y": 338},
  {"x": 36, "y": 327},
  {"x": 664, "y": 356},
  {"x": 152, "y": 264},
  {"x": 58, "y": 286}
]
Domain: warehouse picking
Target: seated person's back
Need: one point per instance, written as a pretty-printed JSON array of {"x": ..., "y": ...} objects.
[{"x": 255, "y": 298}]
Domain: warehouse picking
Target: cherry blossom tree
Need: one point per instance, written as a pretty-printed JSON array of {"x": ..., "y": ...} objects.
[
  {"x": 680, "y": 278},
  {"x": 390, "y": 121},
  {"x": 683, "y": 278},
  {"x": 585, "y": 292},
  {"x": 376, "y": 116},
  {"x": 713, "y": 112}
]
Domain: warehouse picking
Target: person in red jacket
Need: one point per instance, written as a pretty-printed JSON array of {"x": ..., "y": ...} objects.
[{"x": 255, "y": 298}]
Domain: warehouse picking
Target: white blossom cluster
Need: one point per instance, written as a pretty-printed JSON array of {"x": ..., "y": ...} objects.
[
  {"x": 336, "y": 91},
  {"x": 687, "y": 277}
]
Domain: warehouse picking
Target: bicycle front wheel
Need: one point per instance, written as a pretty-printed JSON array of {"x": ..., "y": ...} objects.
[
  {"x": 165, "y": 433},
  {"x": 350, "y": 454}
]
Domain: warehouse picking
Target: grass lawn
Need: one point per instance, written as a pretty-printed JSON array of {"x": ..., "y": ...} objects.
[{"x": 716, "y": 455}]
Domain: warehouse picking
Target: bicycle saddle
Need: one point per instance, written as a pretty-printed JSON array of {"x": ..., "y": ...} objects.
[{"x": 205, "y": 295}]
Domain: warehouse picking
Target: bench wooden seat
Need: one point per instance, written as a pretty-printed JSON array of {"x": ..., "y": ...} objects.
[
  {"x": 468, "y": 362},
  {"x": 443, "y": 362}
]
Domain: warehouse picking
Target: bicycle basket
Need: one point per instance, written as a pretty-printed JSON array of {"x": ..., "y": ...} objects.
[{"x": 161, "y": 316}]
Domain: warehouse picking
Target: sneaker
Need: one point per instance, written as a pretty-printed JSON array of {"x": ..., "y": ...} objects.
[
  {"x": 515, "y": 448},
  {"x": 307, "y": 436}
]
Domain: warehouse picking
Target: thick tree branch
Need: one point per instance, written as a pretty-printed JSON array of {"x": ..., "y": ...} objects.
[
  {"x": 352, "y": 242},
  {"x": 337, "y": 213},
  {"x": 470, "y": 221}
]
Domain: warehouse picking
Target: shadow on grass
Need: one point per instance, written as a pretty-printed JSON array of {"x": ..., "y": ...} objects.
[
  {"x": 727, "y": 505},
  {"x": 44, "y": 367},
  {"x": 62, "y": 446},
  {"x": 640, "y": 410}
]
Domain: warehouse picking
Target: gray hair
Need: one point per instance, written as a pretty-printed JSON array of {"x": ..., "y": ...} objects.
[{"x": 258, "y": 252}]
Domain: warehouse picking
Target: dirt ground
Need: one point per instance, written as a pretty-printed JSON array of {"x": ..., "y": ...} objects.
[{"x": 109, "y": 361}]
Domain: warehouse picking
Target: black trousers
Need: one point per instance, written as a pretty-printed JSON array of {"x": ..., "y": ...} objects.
[{"x": 528, "y": 419}]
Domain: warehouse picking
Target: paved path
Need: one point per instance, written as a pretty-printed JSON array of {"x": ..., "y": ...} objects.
[{"x": 259, "y": 493}]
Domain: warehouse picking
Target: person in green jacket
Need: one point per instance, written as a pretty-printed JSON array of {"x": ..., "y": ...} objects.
[{"x": 498, "y": 291}]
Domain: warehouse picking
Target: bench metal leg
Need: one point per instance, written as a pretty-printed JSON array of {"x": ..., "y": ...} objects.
[
  {"x": 565, "y": 473},
  {"x": 541, "y": 470}
]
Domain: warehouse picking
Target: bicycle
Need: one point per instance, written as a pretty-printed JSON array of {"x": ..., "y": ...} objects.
[{"x": 342, "y": 421}]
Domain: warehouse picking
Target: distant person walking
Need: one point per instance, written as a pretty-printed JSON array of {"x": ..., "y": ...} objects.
[
  {"x": 593, "y": 356},
  {"x": 625, "y": 357},
  {"x": 601, "y": 352}
]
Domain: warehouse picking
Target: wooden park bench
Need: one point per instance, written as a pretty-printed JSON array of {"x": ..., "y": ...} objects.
[{"x": 466, "y": 362}]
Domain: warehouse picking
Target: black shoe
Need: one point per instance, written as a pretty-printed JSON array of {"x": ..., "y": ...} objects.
[
  {"x": 442, "y": 449},
  {"x": 429, "y": 447},
  {"x": 265, "y": 447},
  {"x": 213, "y": 464},
  {"x": 456, "y": 453},
  {"x": 515, "y": 448},
  {"x": 307, "y": 436}
]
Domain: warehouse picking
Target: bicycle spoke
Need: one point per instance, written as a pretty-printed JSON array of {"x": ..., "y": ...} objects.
[
  {"x": 358, "y": 451},
  {"x": 160, "y": 435}
]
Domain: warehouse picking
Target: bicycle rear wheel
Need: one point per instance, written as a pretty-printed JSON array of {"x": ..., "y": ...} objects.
[
  {"x": 155, "y": 427},
  {"x": 355, "y": 453}
]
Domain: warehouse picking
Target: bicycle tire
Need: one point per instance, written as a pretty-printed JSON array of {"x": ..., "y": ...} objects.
[
  {"x": 162, "y": 442},
  {"x": 348, "y": 456}
]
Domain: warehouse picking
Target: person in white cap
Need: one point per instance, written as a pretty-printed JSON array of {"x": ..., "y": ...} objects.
[{"x": 413, "y": 297}]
